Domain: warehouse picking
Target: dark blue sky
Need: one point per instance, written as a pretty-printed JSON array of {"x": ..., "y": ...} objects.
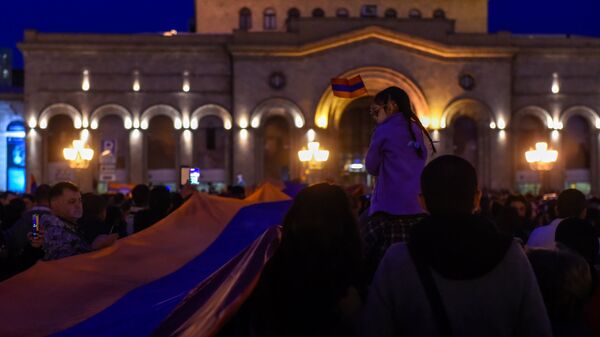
[{"x": 135, "y": 16}]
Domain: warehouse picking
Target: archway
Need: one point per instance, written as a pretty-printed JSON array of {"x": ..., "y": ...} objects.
[
  {"x": 111, "y": 141},
  {"x": 60, "y": 134},
  {"x": 467, "y": 134},
  {"x": 529, "y": 130},
  {"x": 162, "y": 151},
  {"x": 576, "y": 149},
  {"x": 277, "y": 122},
  {"x": 210, "y": 152},
  {"x": 276, "y": 149},
  {"x": 354, "y": 136}
]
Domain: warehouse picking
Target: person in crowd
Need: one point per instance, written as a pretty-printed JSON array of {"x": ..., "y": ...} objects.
[
  {"x": 13, "y": 212},
  {"x": 570, "y": 203},
  {"x": 116, "y": 219},
  {"x": 396, "y": 157},
  {"x": 16, "y": 236},
  {"x": 579, "y": 236},
  {"x": 29, "y": 200},
  {"x": 92, "y": 223},
  {"x": 457, "y": 275},
  {"x": 311, "y": 285},
  {"x": 140, "y": 195},
  {"x": 63, "y": 236},
  {"x": 176, "y": 201},
  {"x": 160, "y": 203},
  {"x": 564, "y": 280}
]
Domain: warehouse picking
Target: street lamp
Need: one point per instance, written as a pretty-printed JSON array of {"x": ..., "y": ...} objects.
[
  {"x": 314, "y": 157},
  {"x": 541, "y": 159},
  {"x": 79, "y": 156}
]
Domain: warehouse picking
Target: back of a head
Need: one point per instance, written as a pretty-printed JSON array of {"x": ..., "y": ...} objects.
[
  {"x": 570, "y": 203},
  {"x": 449, "y": 186},
  {"x": 93, "y": 205},
  {"x": 320, "y": 215},
  {"x": 318, "y": 259},
  {"x": 579, "y": 236},
  {"x": 564, "y": 280},
  {"x": 140, "y": 195},
  {"x": 160, "y": 199},
  {"x": 42, "y": 194},
  {"x": 59, "y": 188}
]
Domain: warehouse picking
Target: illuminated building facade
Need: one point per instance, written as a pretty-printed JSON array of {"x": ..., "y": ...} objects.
[{"x": 239, "y": 96}]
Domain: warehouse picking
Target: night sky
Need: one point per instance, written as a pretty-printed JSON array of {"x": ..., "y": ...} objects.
[{"x": 579, "y": 17}]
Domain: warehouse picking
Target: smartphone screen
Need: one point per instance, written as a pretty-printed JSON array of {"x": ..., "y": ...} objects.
[
  {"x": 35, "y": 225},
  {"x": 195, "y": 176}
]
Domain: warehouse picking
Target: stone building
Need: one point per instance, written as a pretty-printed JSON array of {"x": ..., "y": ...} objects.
[{"x": 239, "y": 96}]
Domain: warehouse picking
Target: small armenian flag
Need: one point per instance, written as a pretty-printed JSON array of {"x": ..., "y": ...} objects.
[{"x": 348, "y": 88}]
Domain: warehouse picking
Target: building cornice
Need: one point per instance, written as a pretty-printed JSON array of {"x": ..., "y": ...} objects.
[{"x": 374, "y": 33}]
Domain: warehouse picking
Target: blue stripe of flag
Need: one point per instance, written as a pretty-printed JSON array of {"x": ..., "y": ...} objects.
[
  {"x": 348, "y": 88},
  {"x": 141, "y": 311}
]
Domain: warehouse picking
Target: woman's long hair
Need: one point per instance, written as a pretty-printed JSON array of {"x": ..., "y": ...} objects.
[
  {"x": 318, "y": 260},
  {"x": 402, "y": 100}
]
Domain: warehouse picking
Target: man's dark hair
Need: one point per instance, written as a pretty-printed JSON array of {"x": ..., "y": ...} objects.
[
  {"x": 160, "y": 199},
  {"x": 449, "y": 185},
  {"x": 579, "y": 236},
  {"x": 42, "y": 193},
  {"x": 140, "y": 195},
  {"x": 570, "y": 203},
  {"x": 58, "y": 189}
]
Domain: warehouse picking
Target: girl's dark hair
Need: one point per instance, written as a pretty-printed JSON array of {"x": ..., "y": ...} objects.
[
  {"x": 318, "y": 260},
  {"x": 401, "y": 99}
]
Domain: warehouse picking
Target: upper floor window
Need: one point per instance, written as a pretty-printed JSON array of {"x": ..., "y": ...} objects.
[
  {"x": 391, "y": 13},
  {"x": 439, "y": 14},
  {"x": 245, "y": 19},
  {"x": 293, "y": 13},
  {"x": 414, "y": 14},
  {"x": 270, "y": 20},
  {"x": 342, "y": 13},
  {"x": 318, "y": 13},
  {"x": 368, "y": 11}
]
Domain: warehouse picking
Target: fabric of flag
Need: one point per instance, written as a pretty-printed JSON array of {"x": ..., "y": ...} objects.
[
  {"x": 128, "y": 289},
  {"x": 348, "y": 88}
]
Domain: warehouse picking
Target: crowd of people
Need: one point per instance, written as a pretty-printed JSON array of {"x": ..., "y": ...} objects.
[
  {"x": 72, "y": 223},
  {"x": 426, "y": 253}
]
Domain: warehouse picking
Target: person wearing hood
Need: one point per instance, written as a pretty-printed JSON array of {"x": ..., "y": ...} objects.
[{"x": 457, "y": 275}]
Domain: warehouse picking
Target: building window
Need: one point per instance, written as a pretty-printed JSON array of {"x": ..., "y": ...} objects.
[
  {"x": 414, "y": 14},
  {"x": 342, "y": 13},
  {"x": 391, "y": 13},
  {"x": 318, "y": 13},
  {"x": 245, "y": 19},
  {"x": 15, "y": 151},
  {"x": 368, "y": 11},
  {"x": 270, "y": 20},
  {"x": 293, "y": 13},
  {"x": 439, "y": 14}
]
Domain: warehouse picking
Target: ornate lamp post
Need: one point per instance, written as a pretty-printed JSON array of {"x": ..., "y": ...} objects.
[
  {"x": 79, "y": 156},
  {"x": 313, "y": 158},
  {"x": 541, "y": 159}
]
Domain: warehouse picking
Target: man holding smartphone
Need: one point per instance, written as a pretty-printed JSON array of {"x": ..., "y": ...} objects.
[{"x": 63, "y": 236}]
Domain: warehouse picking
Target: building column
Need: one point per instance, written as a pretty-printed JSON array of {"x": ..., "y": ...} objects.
[
  {"x": 186, "y": 141},
  {"x": 244, "y": 154},
  {"x": 137, "y": 154},
  {"x": 501, "y": 172},
  {"x": 35, "y": 157},
  {"x": 595, "y": 162}
]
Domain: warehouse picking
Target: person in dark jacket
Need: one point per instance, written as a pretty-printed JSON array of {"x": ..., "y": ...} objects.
[
  {"x": 457, "y": 276},
  {"x": 159, "y": 203},
  {"x": 92, "y": 223}
]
